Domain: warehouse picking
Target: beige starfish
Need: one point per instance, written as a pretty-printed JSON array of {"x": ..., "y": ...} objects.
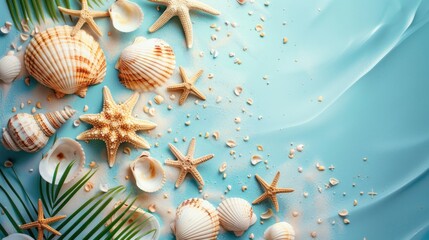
[
  {"x": 187, "y": 86},
  {"x": 187, "y": 164},
  {"x": 42, "y": 223},
  {"x": 181, "y": 9},
  {"x": 115, "y": 125},
  {"x": 271, "y": 190},
  {"x": 85, "y": 15}
]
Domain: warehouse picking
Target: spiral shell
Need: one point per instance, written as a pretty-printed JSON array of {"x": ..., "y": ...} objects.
[
  {"x": 10, "y": 67},
  {"x": 31, "y": 132},
  {"x": 148, "y": 173},
  {"x": 146, "y": 64},
  {"x": 66, "y": 64},
  {"x": 196, "y": 219},
  {"x": 280, "y": 231},
  {"x": 236, "y": 215}
]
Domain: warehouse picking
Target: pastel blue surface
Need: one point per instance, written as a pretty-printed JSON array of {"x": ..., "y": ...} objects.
[{"x": 369, "y": 61}]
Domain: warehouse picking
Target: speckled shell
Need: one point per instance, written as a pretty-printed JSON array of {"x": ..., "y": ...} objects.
[
  {"x": 196, "y": 219},
  {"x": 146, "y": 64},
  {"x": 10, "y": 67},
  {"x": 66, "y": 64},
  {"x": 236, "y": 215},
  {"x": 280, "y": 231},
  {"x": 126, "y": 16},
  {"x": 148, "y": 173},
  {"x": 63, "y": 152},
  {"x": 30, "y": 133}
]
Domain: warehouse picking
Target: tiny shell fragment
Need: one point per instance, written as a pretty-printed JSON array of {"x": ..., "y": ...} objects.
[
  {"x": 222, "y": 168},
  {"x": 231, "y": 143},
  {"x": 343, "y": 213},
  {"x": 238, "y": 90},
  {"x": 333, "y": 181},
  {"x": 268, "y": 214},
  {"x": 255, "y": 159},
  {"x": 158, "y": 99},
  {"x": 8, "y": 164}
]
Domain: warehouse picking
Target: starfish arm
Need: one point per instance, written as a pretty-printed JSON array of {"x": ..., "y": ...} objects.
[
  {"x": 97, "y": 14},
  {"x": 51, "y": 229},
  {"x": 202, "y": 159},
  {"x": 90, "y": 118},
  {"x": 29, "y": 225},
  {"x": 172, "y": 163},
  {"x": 196, "y": 5},
  {"x": 54, "y": 219},
  {"x": 275, "y": 202},
  {"x": 185, "y": 20},
  {"x": 176, "y": 152},
  {"x": 183, "y": 74},
  {"x": 84, "y": 4},
  {"x": 78, "y": 26},
  {"x": 191, "y": 148},
  {"x": 40, "y": 214},
  {"x": 107, "y": 96},
  {"x": 261, "y": 198},
  {"x": 176, "y": 87},
  {"x": 196, "y": 76},
  {"x": 112, "y": 149},
  {"x": 131, "y": 102},
  {"x": 94, "y": 26},
  {"x": 284, "y": 190},
  {"x": 197, "y": 176},
  {"x": 181, "y": 178},
  {"x": 162, "y": 2},
  {"x": 162, "y": 20},
  {"x": 276, "y": 179},
  {"x": 197, "y": 93},
  {"x": 262, "y": 182},
  {"x": 137, "y": 141},
  {"x": 184, "y": 96},
  {"x": 143, "y": 125},
  {"x": 90, "y": 134},
  {"x": 70, "y": 12},
  {"x": 40, "y": 234}
]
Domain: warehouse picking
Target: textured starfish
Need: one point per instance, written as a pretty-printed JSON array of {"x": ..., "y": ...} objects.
[
  {"x": 42, "y": 223},
  {"x": 115, "y": 125},
  {"x": 85, "y": 15},
  {"x": 271, "y": 190},
  {"x": 187, "y": 86},
  {"x": 181, "y": 9},
  {"x": 187, "y": 164}
]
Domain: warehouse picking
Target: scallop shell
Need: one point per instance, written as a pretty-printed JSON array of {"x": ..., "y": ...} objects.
[
  {"x": 10, "y": 67},
  {"x": 196, "y": 219},
  {"x": 148, "y": 173},
  {"x": 280, "y": 231},
  {"x": 31, "y": 132},
  {"x": 17, "y": 236},
  {"x": 63, "y": 152},
  {"x": 149, "y": 220},
  {"x": 236, "y": 215},
  {"x": 66, "y": 64},
  {"x": 126, "y": 16},
  {"x": 146, "y": 64}
]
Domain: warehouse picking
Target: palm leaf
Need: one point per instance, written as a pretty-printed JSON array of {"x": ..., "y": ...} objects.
[
  {"x": 3, "y": 231},
  {"x": 11, "y": 5}
]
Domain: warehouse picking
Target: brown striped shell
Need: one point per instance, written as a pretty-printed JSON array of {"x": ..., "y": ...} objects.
[{"x": 66, "y": 64}]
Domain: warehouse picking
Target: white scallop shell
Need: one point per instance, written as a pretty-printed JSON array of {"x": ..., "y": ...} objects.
[
  {"x": 236, "y": 215},
  {"x": 31, "y": 132},
  {"x": 280, "y": 231},
  {"x": 146, "y": 64},
  {"x": 196, "y": 219},
  {"x": 66, "y": 64},
  {"x": 63, "y": 152},
  {"x": 126, "y": 16},
  {"x": 17, "y": 236},
  {"x": 149, "y": 220},
  {"x": 10, "y": 67},
  {"x": 148, "y": 173}
]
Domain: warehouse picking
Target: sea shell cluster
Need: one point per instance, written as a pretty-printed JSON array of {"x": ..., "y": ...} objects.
[
  {"x": 148, "y": 173},
  {"x": 10, "y": 67}
]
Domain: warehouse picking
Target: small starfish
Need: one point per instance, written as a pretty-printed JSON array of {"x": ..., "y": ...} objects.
[
  {"x": 187, "y": 86},
  {"x": 181, "y": 9},
  {"x": 42, "y": 223},
  {"x": 115, "y": 125},
  {"x": 187, "y": 164},
  {"x": 271, "y": 190},
  {"x": 85, "y": 16}
]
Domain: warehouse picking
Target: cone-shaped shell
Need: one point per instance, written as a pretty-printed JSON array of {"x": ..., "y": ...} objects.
[
  {"x": 236, "y": 215},
  {"x": 10, "y": 67},
  {"x": 196, "y": 219},
  {"x": 148, "y": 173},
  {"x": 126, "y": 16},
  {"x": 30, "y": 133},
  {"x": 66, "y": 64},
  {"x": 146, "y": 64},
  {"x": 280, "y": 231}
]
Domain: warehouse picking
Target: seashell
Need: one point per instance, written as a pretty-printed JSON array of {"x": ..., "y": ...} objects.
[
  {"x": 66, "y": 64},
  {"x": 255, "y": 159},
  {"x": 150, "y": 222},
  {"x": 267, "y": 215},
  {"x": 10, "y": 67},
  {"x": 126, "y": 16},
  {"x": 64, "y": 151},
  {"x": 236, "y": 215},
  {"x": 196, "y": 219},
  {"x": 280, "y": 231},
  {"x": 17, "y": 236},
  {"x": 146, "y": 64},
  {"x": 148, "y": 173},
  {"x": 31, "y": 132}
]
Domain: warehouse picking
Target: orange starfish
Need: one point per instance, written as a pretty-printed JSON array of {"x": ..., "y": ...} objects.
[
  {"x": 187, "y": 86},
  {"x": 271, "y": 190}
]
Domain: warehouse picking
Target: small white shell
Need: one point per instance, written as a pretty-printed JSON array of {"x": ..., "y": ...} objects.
[
  {"x": 63, "y": 152},
  {"x": 280, "y": 231},
  {"x": 126, "y": 16},
  {"x": 196, "y": 219},
  {"x": 18, "y": 236},
  {"x": 236, "y": 215},
  {"x": 10, "y": 67},
  {"x": 148, "y": 173}
]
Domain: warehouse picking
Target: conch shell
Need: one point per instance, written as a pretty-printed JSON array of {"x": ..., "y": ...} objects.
[
  {"x": 10, "y": 67},
  {"x": 280, "y": 231},
  {"x": 148, "y": 173},
  {"x": 236, "y": 215}
]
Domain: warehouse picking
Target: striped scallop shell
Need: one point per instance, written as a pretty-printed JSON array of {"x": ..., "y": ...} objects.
[
  {"x": 196, "y": 219},
  {"x": 236, "y": 215},
  {"x": 146, "y": 64},
  {"x": 66, "y": 64},
  {"x": 30, "y": 133},
  {"x": 280, "y": 231}
]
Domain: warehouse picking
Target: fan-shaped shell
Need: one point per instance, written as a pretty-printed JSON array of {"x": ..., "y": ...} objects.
[
  {"x": 196, "y": 219},
  {"x": 236, "y": 215},
  {"x": 280, "y": 231},
  {"x": 126, "y": 16},
  {"x": 66, "y": 64},
  {"x": 10, "y": 67},
  {"x": 146, "y": 64},
  {"x": 18, "y": 236},
  {"x": 148, "y": 173},
  {"x": 63, "y": 152},
  {"x": 31, "y": 132}
]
